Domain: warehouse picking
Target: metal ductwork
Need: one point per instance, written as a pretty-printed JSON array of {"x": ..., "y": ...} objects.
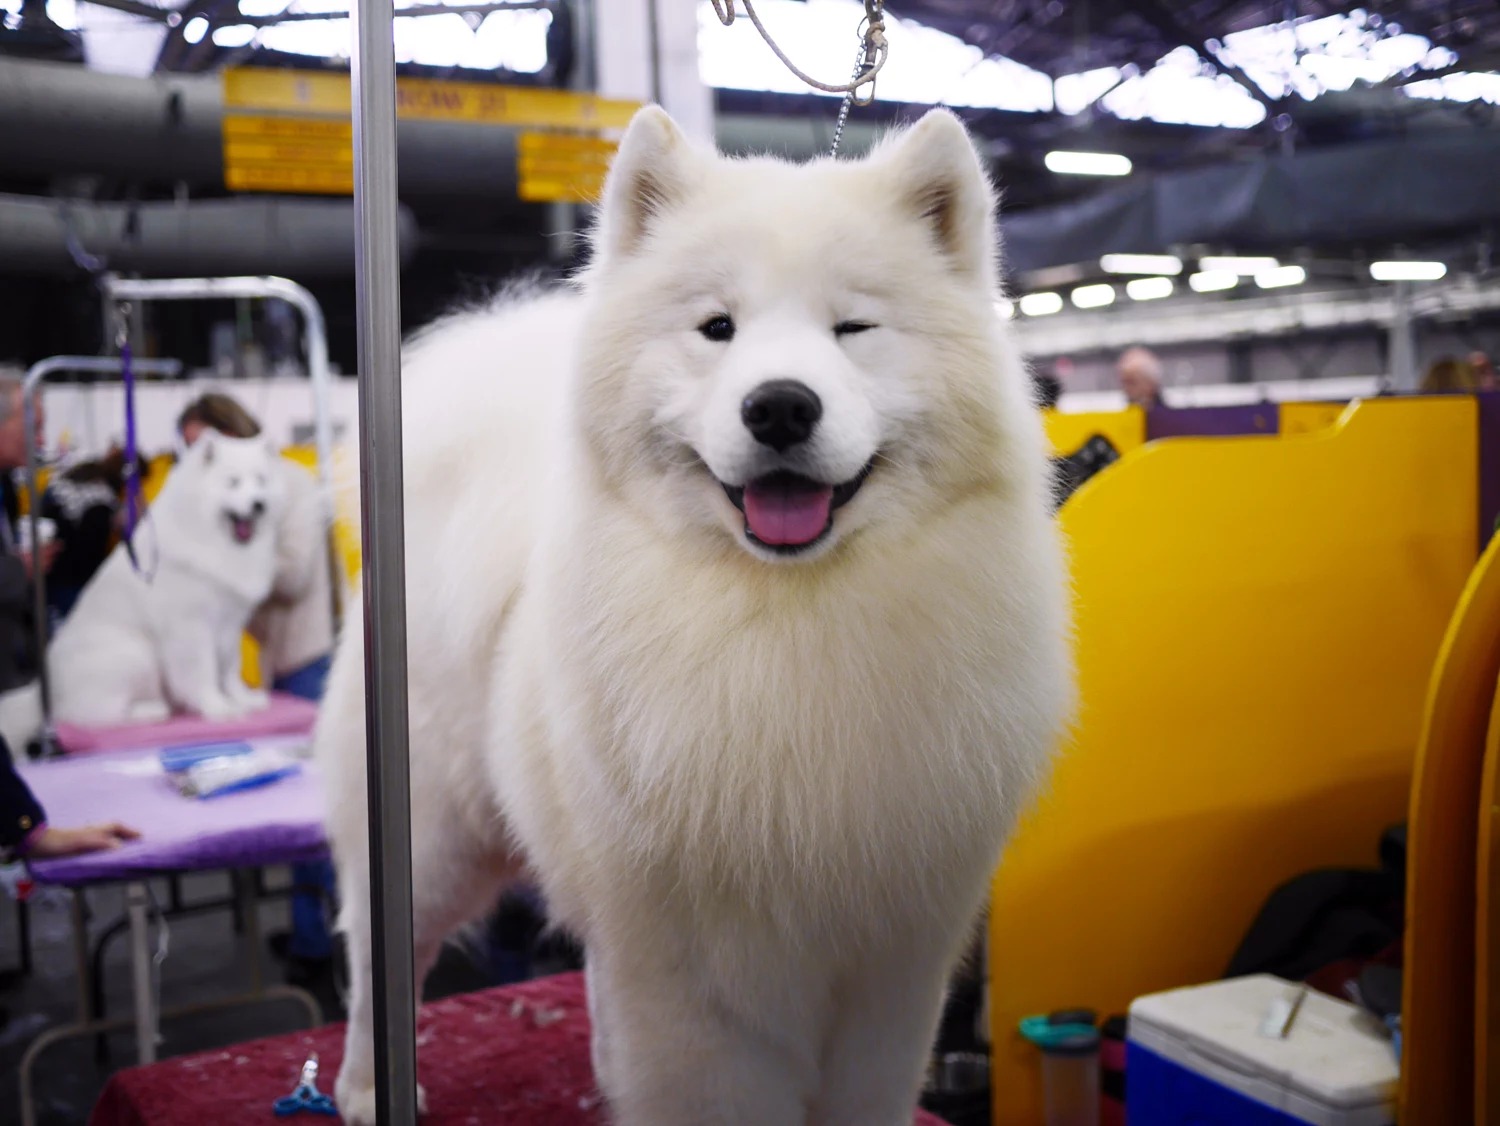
[
  {"x": 1209, "y": 321},
  {"x": 1424, "y": 185},
  {"x": 304, "y": 237},
  {"x": 57, "y": 119}
]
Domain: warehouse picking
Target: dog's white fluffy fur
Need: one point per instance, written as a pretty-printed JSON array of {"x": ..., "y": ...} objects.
[
  {"x": 767, "y": 792},
  {"x": 139, "y": 647}
]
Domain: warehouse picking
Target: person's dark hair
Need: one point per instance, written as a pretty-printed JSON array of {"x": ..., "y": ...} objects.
[
  {"x": 219, "y": 412},
  {"x": 1047, "y": 389},
  {"x": 1450, "y": 374},
  {"x": 108, "y": 470}
]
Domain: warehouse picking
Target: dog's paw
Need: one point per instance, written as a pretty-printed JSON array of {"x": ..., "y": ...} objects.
[
  {"x": 150, "y": 711},
  {"x": 356, "y": 1103},
  {"x": 219, "y": 707},
  {"x": 253, "y": 699}
]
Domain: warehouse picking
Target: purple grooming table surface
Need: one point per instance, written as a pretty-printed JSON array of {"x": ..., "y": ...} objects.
[{"x": 281, "y": 823}]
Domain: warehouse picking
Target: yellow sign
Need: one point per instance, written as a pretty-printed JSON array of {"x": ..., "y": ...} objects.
[
  {"x": 288, "y": 154},
  {"x": 561, "y": 167},
  {"x": 290, "y": 91},
  {"x": 289, "y": 131}
]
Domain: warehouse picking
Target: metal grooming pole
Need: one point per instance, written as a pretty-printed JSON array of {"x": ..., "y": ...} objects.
[
  {"x": 377, "y": 267},
  {"x": 117, "y": 289},
  {"x": 35, "y": 376}
]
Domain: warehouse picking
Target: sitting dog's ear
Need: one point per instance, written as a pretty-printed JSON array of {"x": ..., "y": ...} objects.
[
  {"x": 652, "y": 172},
  {"x": 933, "y": 170}
]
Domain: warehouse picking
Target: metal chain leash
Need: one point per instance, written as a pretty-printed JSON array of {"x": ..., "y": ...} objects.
[{"x": 873, "y": 52}]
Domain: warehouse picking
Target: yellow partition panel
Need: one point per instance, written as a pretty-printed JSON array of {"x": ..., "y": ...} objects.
[
  {"x": 1309, "y": 418},
  {"x": 1256, "y": 621},
  {"x": 1487, "y": 931},
  {"x": 1438, "y": 1007},
  {"x": 1126, "y": 429}
]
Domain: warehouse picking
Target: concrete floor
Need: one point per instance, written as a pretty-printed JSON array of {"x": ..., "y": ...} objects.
[{"x": 205, "y": 959}]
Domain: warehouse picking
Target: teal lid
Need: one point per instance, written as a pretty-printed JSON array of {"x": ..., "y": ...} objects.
[{"x": 1067, "y": 1038}]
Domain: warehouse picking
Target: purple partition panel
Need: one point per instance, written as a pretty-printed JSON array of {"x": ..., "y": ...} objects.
[
  {"x": 1489, "y": 463},
  {"x": 1206, "y": 422}
]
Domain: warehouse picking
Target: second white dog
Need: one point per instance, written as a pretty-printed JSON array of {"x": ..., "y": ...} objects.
[{"x": 141, "y": 646}]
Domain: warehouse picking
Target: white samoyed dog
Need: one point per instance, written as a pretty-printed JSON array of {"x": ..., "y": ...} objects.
[
  {"x": 139, "y": 647},
  {"x": 737, "y": 618}
]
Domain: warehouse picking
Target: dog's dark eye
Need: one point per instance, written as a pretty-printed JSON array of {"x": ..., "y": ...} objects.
[
  {"x": 851, "y": 328},
  {"x": 719, "y": 329}
]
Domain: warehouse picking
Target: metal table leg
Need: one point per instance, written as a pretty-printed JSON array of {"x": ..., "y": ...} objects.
[{"x": 141, "y": 973}]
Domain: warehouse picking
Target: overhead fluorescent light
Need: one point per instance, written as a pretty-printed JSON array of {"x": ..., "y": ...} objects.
[
  {"x": 1407, "y": 271},
  {"x": 1149, "y": 289},
  {"x": 233, "y": 35},
  {"x": 1141, "y": 264},
  {"x": 1093, "y": 296},
  {"x": 1244, "y": 267},
  {"x": 1088, "y": 163},
  {"x": 1006, "y": 309},
  {"x": 1210, "y": 281},
  {"x": 1041, "y": 304},
  {"x": 1281, "y": 276},
  {"x": 195, "y": 29}
]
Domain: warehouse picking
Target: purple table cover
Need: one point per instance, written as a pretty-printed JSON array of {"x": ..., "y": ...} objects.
[{"x": 281, "y": 823}]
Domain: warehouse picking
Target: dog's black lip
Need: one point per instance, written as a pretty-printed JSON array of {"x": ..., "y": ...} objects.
[{"x": 842, "y": 495}]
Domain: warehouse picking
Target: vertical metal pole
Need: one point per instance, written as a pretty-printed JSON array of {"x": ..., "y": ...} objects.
[
  {"x": 378, "y": 302},
  {"x": 563, "y": 216},
  {"x": 140, "y": 974},
  {"x": 38, "y": 575}
]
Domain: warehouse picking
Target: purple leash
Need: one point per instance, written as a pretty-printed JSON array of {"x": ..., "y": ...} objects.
[{"x": 132, "y": 478}]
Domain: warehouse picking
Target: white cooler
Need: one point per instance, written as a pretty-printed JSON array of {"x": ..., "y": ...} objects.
[{"x": 1198, "y": 1055}]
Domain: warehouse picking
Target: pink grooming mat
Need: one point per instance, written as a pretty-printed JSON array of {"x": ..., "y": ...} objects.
[{"x": 286, "y": 715}]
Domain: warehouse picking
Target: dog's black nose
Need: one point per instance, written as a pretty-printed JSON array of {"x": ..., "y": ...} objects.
[
  {"x": 258, "y": 509},
  {"x": 781, "y": 412}
]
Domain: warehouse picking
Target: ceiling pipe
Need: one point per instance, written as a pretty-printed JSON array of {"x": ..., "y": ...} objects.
[
  {"x": 304, "y": 237},
  {"x": 58, "y": 120}
]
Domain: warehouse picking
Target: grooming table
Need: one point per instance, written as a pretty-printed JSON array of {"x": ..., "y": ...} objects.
[
  {"x": 281, "y": 823},
  {"x": 285, "y": 715},
  {"x": 485, "y": 1057}
]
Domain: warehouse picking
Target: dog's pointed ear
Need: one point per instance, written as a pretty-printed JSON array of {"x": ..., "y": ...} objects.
[
  {"x": 652, "y": 172},
  {"x": 934, "y": 171}
]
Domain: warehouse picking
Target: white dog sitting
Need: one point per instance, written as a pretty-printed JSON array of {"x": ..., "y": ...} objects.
[{"x": 143, "y": 644}]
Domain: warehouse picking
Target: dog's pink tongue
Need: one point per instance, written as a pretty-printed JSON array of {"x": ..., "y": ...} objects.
[{"x": 782, "y": 512}]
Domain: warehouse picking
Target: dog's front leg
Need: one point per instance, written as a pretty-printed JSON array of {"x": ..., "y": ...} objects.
[
  {"x": 191, "y": 663},
  {"x": 671, "y": 1049},
  {"x": 232, "y": 675}
]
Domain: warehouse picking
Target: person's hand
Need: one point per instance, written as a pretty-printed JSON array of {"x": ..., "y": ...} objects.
[
  {"x": 53, "y": 843},
  {"x": 48, "y": 557}
]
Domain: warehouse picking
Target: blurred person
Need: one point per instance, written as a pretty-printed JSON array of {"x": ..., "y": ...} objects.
[
  {"x": 86, "y": 504},
  {"x": 295, "y": 632},
  {"x": 1140, "y": 374},
  {"x": 24, "y": 832},
  {"x": 1485, "y": 378},
  {"x": 17, "y": 563},
  {"x": 1449, "y": 375}
]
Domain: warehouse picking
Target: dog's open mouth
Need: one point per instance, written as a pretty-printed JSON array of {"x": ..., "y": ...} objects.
[
  {"x": 241, "y": 527},
  {"x": 788, "y": 512}
]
